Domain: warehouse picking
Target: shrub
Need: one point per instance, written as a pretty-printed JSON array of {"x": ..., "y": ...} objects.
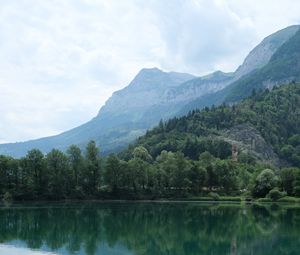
[
  {"x": 214, "y": 196},
  {"x": 7, "y": 196},
  {"x": 288, "y": 200},
  {"x": 230, "y": 199},
  {"x": 297, "y": 191},
  {"x": 264, "y": 200},
  {"x": 264, "y": 182},
  {"x": 276, "y": 194}
]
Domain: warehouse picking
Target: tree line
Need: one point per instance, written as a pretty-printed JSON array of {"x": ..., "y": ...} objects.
[{"x": 86, "y": 175}]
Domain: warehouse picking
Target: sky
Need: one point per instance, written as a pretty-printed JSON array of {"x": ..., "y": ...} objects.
[{"x": 60, "y": 60}]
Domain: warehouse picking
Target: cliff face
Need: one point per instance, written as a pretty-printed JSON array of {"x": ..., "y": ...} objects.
[
  {"x": 247, "y": 139},
  {"x": 145, "y": 90},
  {"x": 263, "y": 52},
  {"x": 275, "y": 61}
]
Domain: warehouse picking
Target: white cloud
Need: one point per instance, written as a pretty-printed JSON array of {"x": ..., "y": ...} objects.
[{"x": 61, "y": 59}]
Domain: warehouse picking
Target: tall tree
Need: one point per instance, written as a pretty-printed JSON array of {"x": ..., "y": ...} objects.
[
  {"x": 35, "y": 171},
  {"x": 75, "y": 160},
  {"x": 113, "y": 172},
  {"x": 59, "y": 177},
  {"x": 93, "y": 165}
]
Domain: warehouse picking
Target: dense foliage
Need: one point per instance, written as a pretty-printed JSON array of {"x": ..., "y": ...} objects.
[{"x": 275, "y": 114}]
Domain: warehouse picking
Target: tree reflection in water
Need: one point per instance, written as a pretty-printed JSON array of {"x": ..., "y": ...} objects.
[{"x": 154, "y": 228}]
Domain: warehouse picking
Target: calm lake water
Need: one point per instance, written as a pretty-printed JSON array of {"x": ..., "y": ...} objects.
[{"x": 149, "y": 229}]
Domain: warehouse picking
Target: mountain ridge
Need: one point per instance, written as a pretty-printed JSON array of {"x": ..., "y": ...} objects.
[{"x": 276, "y": 72}]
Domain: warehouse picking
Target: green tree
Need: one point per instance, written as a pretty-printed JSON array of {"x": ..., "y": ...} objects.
[
  {"x": 35, "y": 172},
  {"x": 179, "y": 177},
  {"x": 227, "y": 175},
  {"x": 264, "y": 182},
  {"x": 297, "y": 183},
  {"x": 207, "y": 161},
  {"x": 93, "y": 167},
  {"x": 287, "y": 177},
  {"x": 197, "y": 176},
  {"x": 58, "y": 171},
  {"x": 142, "y": 153},
  {"x": 113, "y": 174},
  {"x": 75, "y": 160},
  {"x": 9, "y": 175},
  {"x": 138, "y": 169}
]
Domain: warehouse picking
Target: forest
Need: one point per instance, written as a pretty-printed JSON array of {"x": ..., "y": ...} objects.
[{"x": 180, "y": 158}]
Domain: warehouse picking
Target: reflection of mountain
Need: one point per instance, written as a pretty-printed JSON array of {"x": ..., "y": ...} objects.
[{"x": 147, "y": 229}]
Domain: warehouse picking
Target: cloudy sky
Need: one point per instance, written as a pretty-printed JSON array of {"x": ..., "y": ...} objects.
[{"x": 61, "y": 59}]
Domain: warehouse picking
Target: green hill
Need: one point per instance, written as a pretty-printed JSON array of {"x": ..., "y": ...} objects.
[{"x": 270, "y": 119}]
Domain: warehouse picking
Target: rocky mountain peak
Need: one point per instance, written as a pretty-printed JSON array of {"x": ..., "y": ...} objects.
[{"x": 263, "y": 52}]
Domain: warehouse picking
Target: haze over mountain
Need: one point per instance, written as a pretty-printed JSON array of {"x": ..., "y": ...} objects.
[{"x": 154, "y": 94}]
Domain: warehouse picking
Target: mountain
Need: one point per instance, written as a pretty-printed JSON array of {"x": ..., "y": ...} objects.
[
  {"x": 154, "y": 95},
  {"x": 124, "y": 117},
  {"x": 145, "y": 94},
  {"x": 277, "y": 61},
  {"x": 264, "y": 127},
  {"x": 263, "y": 52}
]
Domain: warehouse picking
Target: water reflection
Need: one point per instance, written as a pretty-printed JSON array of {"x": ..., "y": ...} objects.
[
  {"x": 11, "y": 250},
  {"x": 152, "y": 229}
]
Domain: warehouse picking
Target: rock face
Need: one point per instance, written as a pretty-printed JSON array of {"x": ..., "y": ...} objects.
[
  {"x": 199, "y": 86},
  {"x": 275, "y": 61},
  {"x": 257, "y": 58},
  {"x": 146, "y": 89},
  {"x": 247, "y": 139},
  {"x": 263, "y": 52},
  {"x": 143, "y": 101},
  {"x": 283, "y": 67}
]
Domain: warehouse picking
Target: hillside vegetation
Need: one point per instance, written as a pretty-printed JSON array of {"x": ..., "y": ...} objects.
[{"x": 275, "y": 115}]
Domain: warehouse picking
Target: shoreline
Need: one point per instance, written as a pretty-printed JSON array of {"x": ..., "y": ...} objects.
[{"x": 149, "y": 201}]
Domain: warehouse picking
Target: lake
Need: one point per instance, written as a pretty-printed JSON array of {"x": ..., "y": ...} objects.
[{"x": 149, "y": 229}]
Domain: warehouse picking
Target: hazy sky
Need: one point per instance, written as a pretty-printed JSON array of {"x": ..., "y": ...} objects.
[{"x": 61, "y": 59}]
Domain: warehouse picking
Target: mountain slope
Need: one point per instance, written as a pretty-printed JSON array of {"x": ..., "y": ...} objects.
[
  {"x": 122, "y": 119},
  {"x": 265, "y": 126},
  {"x": 256, "y": 59},
  {"x": 283, "y": 67},
  {"x": 262, "y": 53}
]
